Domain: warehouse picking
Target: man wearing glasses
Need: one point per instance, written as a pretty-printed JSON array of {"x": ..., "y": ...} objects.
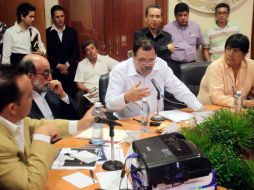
[
  {"x": 49, "y": 99},
  {"x": 216, "y": 35},
  {"x": 162, "y": 40},
  {"x": 130, "y": 81}
]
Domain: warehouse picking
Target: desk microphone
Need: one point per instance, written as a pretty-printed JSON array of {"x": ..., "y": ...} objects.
[{"x": 106, "y": 121}]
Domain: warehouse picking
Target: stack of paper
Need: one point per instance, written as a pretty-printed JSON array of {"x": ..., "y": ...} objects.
[{"x": 175, "y": 115}]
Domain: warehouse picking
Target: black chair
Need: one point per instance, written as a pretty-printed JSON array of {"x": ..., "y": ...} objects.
[
  {"x": 192, "y": 74},
  {"x": 103, "y": 86}
]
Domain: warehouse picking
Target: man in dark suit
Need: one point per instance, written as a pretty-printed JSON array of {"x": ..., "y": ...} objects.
[
  {"x": 49, "y": 99},
  {"x": 62, "y": 50}
]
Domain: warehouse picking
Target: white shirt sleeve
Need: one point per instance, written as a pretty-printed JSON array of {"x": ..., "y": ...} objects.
[{"x": 7, "y": 48}]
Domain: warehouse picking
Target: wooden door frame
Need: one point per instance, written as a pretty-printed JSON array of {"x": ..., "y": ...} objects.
[{"x": 252, "y": 34}]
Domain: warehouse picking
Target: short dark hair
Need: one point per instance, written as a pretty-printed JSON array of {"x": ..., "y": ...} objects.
[
  {"x": 56, "y": 8},
  {"x": 238, "y": 41},
  {"x": 155, "y": 5},
  {"x": 9, "y": 91},
  {"x": 181, "y": 7},
  {"x": 87, "y": 43},
  {"x": 23, "y": 10},
  {"x": 222, "y": 5},
  {"x": 143, "y": 43}
]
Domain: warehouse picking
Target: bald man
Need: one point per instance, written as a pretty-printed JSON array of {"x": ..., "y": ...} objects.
[{"x": 49, "y": 99}]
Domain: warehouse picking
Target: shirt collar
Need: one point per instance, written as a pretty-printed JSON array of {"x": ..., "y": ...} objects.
[
  {"x": 18, "y": 28},
  {"x": 216, "y": 27},
  {"x": 159, "y": 32},
  {"x": 53, "y": 27},
  {"x": 13, "y": 127},
  {"x": 36, "y": 94}
]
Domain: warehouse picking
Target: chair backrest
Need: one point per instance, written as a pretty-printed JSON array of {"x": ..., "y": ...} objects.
[
  {"x": 103, "y": 85},
  {"x": 191, "y": 75}
]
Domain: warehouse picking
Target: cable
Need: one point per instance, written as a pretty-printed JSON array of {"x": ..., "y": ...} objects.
[{"x": 172, "y": 102}]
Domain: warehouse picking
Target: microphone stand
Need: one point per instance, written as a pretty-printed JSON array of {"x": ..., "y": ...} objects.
[
  {"x": 158, "y": 117},
  {"x": 112, "y": 165}
]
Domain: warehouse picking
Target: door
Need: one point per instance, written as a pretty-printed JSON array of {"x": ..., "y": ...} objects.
[{"x": 111, "y": 23}]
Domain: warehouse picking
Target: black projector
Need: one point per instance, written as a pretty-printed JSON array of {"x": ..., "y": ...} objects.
[{"x": 170, "y": 159}]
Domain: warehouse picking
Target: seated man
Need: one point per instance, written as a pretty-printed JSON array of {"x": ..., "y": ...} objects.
[
  {"x": 25, "y": 150},
  {"x": 49, "y": 99},
  {"x": 130, "y": 81},
  {"x": 228, "y": 74},
  {"x": 89, "y": 71}
]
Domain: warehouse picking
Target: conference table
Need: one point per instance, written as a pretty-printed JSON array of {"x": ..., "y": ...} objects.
[{"x": 55, "y": 180}]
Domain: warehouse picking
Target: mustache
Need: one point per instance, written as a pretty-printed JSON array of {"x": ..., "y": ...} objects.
[{"x": 147, "y": 68}]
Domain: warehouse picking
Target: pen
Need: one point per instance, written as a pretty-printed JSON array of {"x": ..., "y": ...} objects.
[
  {"x": 92, "y": 175},
  {"x": 136, "y": 120}
]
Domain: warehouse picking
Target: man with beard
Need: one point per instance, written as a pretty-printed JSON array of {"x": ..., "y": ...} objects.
[
  {"x": 131, "y": 80},
  {"x": 49, "y": 99}
]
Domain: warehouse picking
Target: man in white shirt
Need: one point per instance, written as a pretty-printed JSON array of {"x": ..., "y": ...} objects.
[
  {"x": 89, "y": 71},
  {"x": 130, "y": 81},
  {"x": 49, "y": 98},
  {"x": 25, "y": 150},
  {"x": 18, "y": 39}
]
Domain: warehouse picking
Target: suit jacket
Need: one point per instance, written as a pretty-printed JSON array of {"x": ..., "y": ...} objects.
[
  {"x": 28, "y": 170},
  {"x": 61, "y": 52},
  {"x": 59, "y": 108}
]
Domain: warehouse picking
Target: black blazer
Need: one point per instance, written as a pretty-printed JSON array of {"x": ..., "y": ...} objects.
[
  {"x": 61, "y": 52},
  {"x": 59, "y": 108}
]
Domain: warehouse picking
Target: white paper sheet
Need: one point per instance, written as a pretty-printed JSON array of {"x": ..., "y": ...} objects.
[
  {"x": 79, "y": 180},
  {"x": 175, "y": 115}
]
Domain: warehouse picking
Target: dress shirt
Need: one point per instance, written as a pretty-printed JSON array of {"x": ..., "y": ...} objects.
[
  {"x": 59, "y": 32},
  {"x": 160, "y": 41},
  {"x": 17, "y": 130},
  {"x": 185, "y": 39},
  {"x": 41, "y": 102},
  {"x": 218, "y": 86},
  {"x": 89, "y": 73},
  {"x": 17, "y": 40},
  {"x": 124, "y": 76},
  {"x": 215, "y": 38}
]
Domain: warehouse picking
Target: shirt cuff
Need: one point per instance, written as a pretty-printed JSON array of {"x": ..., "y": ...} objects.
[
  {"x": 73, "y": 127},
  {"x": 66, "y": 99},
  {"x": 41, "y": 137}
]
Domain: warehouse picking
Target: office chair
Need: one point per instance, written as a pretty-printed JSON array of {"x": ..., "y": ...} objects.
[
  {"x": 192, "y": 74},
  {"x": 103, "y": 86}
]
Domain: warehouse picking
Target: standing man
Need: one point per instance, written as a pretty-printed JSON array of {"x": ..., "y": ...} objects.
[
  {"x": 216, "y": 35},
  {"x": 25, "y": 150},
  {"x": 63, "y": 50},
  {"x": 89, "y": 71},
  {"x": 49, "y": 99},
  {"x": 186, "y": 36},
  {"x": 22, "y": 38},
  {"x": 162, "y": 40},
  {"x": 130, "y": 81}
]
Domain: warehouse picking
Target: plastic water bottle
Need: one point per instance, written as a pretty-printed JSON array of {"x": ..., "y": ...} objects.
[
  {"x": 97, "y": 137},
  {"x": 145, "y": 110},
  {"x": 238, "y": 101}
]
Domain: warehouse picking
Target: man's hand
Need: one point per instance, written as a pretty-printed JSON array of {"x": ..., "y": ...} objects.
[
  {"x": 136, "y": 93},
  {"x": 171, "y": 47},
  {"x": 86, "y": 121},
  {"x": 57, "y": 88},
  {"x": 49, "y": 130},
  {"x": 63, "y": 69}
]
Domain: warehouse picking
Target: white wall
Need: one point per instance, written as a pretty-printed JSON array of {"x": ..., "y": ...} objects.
[
  {"x": 48, "y": 5},
  {"x": 240, "y": 15}
]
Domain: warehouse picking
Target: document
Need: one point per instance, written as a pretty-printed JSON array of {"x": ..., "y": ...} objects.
[
  {"x": 77, "y": 158},
  {"x": 79, "y": 180},
  {"x": 119, "y": 134},
  {"x": 93, "y": 97},
  {"x": 175, "y": 115}
]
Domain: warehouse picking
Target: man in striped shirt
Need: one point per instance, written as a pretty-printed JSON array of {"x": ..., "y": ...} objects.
[{"x": 216, "y": 35}]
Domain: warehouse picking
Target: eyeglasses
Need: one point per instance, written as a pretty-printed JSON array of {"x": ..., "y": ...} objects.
[
  {"x": 46, "y": 73},
  {"x": 154, "y": 16},
  {"x": 221, "y": 13},
  {"x": 146, "y": 61}
]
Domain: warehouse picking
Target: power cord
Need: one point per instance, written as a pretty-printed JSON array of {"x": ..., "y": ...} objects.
[{"x": 133, "y": 155}]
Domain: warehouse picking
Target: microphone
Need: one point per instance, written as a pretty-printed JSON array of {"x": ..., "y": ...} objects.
[
  {"x": 106, "y": 121},
  {"x": 157, "y": 87}
]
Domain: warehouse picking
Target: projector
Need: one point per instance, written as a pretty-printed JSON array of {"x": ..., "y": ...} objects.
[{"x": 170, "y": 159}]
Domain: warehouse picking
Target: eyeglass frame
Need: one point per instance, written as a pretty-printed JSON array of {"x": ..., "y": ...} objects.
[{"x": 45, "y": 74}]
